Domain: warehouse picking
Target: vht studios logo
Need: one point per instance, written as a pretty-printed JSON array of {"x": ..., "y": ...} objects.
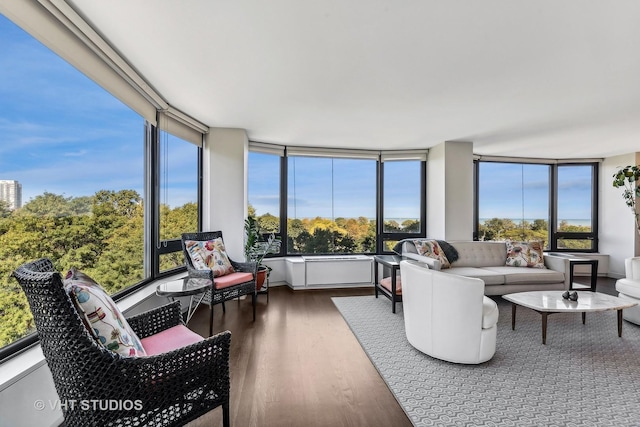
[{"x": 89, "y": 405}]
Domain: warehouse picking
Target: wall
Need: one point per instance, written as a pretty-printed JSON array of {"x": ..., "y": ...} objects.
[
  {"x": 450, "y": 191},
  {"x": 616, "y": 224},
  {"x": 224, "y": 189}
]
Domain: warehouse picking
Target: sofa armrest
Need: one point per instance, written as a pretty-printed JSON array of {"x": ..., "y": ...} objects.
[
  {"x": 558, "y": 263},
  {"x": 156, "y": 320},
  {"x": 432, "y": 263}
]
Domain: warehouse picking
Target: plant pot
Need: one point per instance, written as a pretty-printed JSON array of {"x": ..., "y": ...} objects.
[{"x": 261, "y": 277}]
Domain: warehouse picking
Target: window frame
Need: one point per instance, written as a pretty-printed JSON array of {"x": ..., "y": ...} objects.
[{"x": 553, "y": 234}]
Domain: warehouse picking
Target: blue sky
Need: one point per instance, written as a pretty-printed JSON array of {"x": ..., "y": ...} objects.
[{"x": 60, "y": 132}]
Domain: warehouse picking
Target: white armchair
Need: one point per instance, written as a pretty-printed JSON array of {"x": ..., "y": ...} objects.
[
  {"x": 629, "y": 289},
  {"x": 447, "y": 316}
]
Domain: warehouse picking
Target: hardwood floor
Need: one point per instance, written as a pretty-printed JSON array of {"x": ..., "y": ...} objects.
[{"x": 299, "y": 364}]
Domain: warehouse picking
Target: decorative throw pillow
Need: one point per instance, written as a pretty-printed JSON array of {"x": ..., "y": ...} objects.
[
  {"x": 525, "y": 254},
  {"x": 209, "y": 254},
  {"x": 431, "y": 249},
  {"x": 101, "y": 316}
]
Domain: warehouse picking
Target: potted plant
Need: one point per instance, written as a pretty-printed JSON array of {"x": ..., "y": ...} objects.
[
  {"x": 628, "y": 177},
  {"x": 255, "y": 248}
]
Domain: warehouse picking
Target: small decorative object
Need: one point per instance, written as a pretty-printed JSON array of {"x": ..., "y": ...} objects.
[
  {"x": 627, "y": 177},
  {"x": 565, "y": 295},
  {"x": 573, "y": 296}
]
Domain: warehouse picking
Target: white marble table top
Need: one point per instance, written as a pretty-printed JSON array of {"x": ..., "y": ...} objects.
[{"x": 552, "y": 301}]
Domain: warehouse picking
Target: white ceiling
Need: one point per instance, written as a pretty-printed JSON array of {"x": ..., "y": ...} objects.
[{"x": 544, "y": 78}]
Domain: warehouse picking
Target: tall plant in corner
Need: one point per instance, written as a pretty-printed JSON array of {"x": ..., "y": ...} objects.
[
  {"x": 255, "y": 248},
  {"x": 628, "y": 177}
]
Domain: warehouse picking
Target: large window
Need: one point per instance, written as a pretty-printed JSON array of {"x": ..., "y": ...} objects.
[
  {"x": 264, "y": 190},
  {"x": 331, "y": 205},
  {"x": 78, "y": 154},
  {"x": 403, "y": 209},
  {"x": 322, "y": 201},
  {"x": 178, "y": 198},
  {"x": 101, "y": 189},
  {"x": 556, "y": 203}
]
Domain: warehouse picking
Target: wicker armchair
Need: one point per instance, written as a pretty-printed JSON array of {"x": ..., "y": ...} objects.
[
  {"x": 218, "y": 294},
  {"x": 168, "y": 389}
]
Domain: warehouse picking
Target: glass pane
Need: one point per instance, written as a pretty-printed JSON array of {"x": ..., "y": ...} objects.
[
  {"x": 331, "y": 205},
  {"x": 574, "y": 198},
  {"x": 264, "y": 190},
  {"x": 513, "y": 201},
  {"x": 78, "y": 155},
  {"x": 178, "y": 187},
  {"x": 401, "y": 206},
  {"x": 575, "y": 244}
]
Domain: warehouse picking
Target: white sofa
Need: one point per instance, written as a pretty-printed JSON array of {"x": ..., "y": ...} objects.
[
  {"x": 629, "y": 289},
  {"x": 447, "y": 316},
  {"x": 486, "y": 261}
]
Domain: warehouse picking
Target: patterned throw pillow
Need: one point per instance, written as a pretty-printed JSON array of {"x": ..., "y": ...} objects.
[
  {"x": 101, "y": 316},
  {"x": 525, "y": 254},
  {"x": 210, "y": 254},
  {"x": 431, "y": 249}
]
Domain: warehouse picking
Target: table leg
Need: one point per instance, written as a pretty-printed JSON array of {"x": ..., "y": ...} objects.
[
  {"x": 544, "y": 327},
  {"x": 375, "y": 277},
  {"x": 584, "y": 317},
  {"x": 393, "y": 290},
  {"x": 619, "y": 323},
  {"x": 513, "y": 316}
]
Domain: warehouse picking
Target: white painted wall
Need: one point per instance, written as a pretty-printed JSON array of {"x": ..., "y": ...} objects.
[
  {"x": 616, "y": 224},
  {"x": 225, "y": 186},
  {"x": 450, "y": 191}
]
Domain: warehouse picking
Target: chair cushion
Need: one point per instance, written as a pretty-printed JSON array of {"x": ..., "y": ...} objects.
[
  {"x": 386, "y": 283},
  {"x": 232, "y": 279},
  {"x": 431, "y": 249},
  {"x": 209, "y": 254},
  {"x": 489, "y": 313},
  {"x": 101, "y": 315},
  {"x": 170, "y": 339},
  {"x": 525, "y": 254},
  {"x": 628, "y": 287}
]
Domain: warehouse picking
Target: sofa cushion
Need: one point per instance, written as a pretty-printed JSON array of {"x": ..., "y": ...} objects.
[
  {"x": 480, "y": 254},
  {"x": 432, "y": 249},
  {"x": 489, "y": 313},
  {"x": 513, "y": 275},
  {"x": 525, "y": 254},
  {"x": 487, "y": 276},
  {"x": 101, "y": 315}
]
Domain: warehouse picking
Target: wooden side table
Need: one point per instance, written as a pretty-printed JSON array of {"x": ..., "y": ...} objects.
[
  {"x": 391, "y": 262},
  {"x": 594, "y": 272}
]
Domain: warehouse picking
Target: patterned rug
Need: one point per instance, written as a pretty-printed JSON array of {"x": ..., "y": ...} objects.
[{"x": 584, "y": 376}]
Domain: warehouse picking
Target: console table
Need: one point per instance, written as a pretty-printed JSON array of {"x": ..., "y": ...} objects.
[{"x": 391, "y": 262}]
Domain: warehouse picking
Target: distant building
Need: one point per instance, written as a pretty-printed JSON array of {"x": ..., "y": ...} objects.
[{"x": 11, "y": 192}]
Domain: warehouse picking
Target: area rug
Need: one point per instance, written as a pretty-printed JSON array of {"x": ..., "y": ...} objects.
[{"x": 584, "y": 376}]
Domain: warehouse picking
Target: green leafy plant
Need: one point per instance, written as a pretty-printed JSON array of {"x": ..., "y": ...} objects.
[
  {"x": 627, "y": 178},
  {"x": 255, "y": 248}
]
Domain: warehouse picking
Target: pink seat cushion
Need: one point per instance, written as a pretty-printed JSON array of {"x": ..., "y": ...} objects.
[
  {"x": 227, "y": 280},
  {"x": 169, "y": 339},
  {"x": 386, "y": 283}
]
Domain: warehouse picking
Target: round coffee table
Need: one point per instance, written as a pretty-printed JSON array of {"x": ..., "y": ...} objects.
[
  {"x": 186, "y": 287},
  {"x": 549, "y": 302}
]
